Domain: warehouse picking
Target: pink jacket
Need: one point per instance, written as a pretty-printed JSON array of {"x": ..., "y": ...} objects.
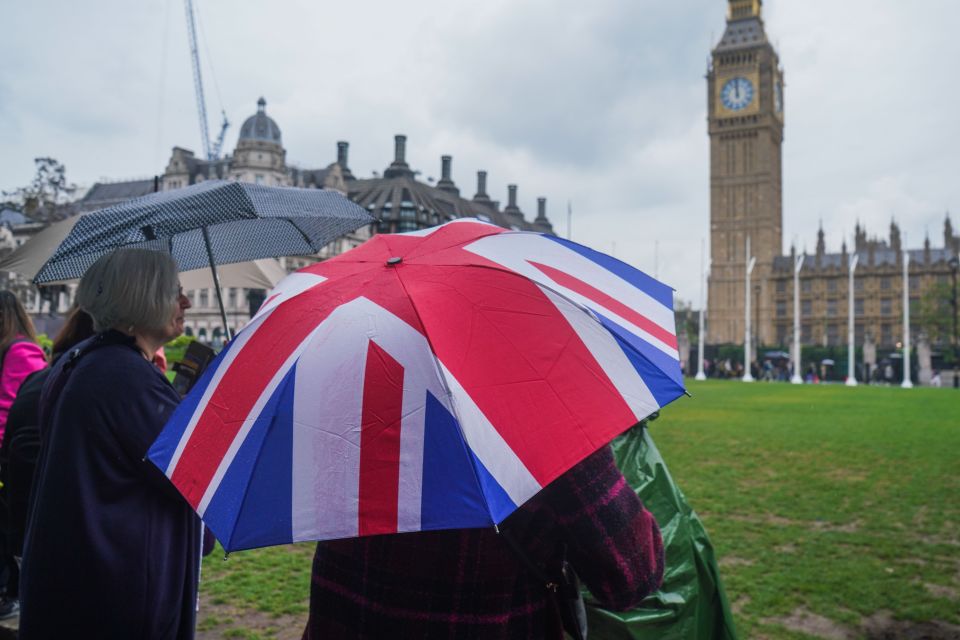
[{"x": 22, "y": 359}]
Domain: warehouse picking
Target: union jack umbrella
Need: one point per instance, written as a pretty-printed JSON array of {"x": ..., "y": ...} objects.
[{"x": 428, "y": 380}]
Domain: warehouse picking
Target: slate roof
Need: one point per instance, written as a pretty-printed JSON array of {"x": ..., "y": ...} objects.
[
  {"x": 105, "y": 194},
  {"x": 742, "y": 34},
  {"x": 12, "y": 217},
  {"x": 881, "y": 258},
  {"x": 384, "y": 198}
]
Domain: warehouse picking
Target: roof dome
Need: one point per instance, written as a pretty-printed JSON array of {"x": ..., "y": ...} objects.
[{"x": 260, "y": 126}]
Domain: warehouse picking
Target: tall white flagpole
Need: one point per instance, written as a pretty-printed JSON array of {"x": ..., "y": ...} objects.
[
  {"x": 703, "y": 279},
  {"x": 751, "y": 261},
  {"x": 797, "y": 377},
  {"x": 851, "y": 372},
  {"x": 907, "y": 383}
]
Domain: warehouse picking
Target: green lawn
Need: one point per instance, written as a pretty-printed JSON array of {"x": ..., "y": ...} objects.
[
  {"x": 826, "y": 505},
  {"x": 822, "y": 499}
]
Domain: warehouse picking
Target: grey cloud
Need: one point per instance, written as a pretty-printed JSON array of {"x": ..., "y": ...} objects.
[{"x": 555, "y": 79}]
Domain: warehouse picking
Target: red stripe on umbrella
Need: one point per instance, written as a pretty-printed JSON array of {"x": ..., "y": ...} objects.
[
  {"x": 592, "y": 293},
  {"x": 380, "y": 443}
]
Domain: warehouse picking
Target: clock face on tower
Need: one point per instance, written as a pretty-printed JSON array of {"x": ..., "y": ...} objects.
[{"x": 737, "y": 93}]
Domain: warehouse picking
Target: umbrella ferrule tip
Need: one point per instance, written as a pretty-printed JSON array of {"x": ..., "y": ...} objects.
[{"x": 394, "y": 261}]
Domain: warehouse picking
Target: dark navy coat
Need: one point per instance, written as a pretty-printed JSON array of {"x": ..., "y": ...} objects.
[{"x": 111, "y": 549}]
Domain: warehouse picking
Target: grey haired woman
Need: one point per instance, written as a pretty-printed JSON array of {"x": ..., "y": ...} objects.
[{"x": 111, "y": 549}]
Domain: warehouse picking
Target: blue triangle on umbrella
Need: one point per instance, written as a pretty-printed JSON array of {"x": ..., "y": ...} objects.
[
  {"x": 252, "y": 506},
  {"x": 458, "y": 492}
]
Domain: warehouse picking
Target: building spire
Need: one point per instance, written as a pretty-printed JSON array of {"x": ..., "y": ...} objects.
[{"x": 742, "y": 9}]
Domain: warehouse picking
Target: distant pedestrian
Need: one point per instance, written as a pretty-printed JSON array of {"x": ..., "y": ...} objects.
[
  {"x": 935, "y": 380},
  {"x": 20, "y": 356},
  {"x": 18, "y": 455}
]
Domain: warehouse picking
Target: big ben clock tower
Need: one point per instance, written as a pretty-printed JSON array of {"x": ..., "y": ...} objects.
[{"x": 745, "y": 114}]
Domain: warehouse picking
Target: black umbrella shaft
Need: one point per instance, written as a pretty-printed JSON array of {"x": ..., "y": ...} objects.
[{"x": 216, "y": 283}]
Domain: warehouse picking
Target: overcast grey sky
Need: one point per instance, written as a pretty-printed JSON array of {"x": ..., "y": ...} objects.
[{"x": 601, "y": 103}]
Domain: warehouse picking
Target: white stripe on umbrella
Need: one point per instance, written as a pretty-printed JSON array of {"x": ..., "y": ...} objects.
[
  {"x": 605, "y": 349},
  {"x": 489, "y": 446},
  {"x": 327, "y": 417},
  {"x": 222, "y": 368},
  {"x": 248, "y": 423},
  {"x": 290, "y": 287},
  {"x": 512, "y": 250}
]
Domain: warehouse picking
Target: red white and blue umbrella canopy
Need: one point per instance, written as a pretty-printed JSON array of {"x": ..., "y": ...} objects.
[{"x": 429, "y": 380}]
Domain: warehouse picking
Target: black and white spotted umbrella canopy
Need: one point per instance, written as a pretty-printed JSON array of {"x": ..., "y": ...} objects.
[{"x": 244, "y": 222}]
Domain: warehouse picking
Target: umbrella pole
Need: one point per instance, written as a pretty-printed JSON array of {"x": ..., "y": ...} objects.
[{"x": 216, "y": 283}]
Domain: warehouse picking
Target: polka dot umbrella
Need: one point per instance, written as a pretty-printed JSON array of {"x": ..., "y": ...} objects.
[{"x": 206, "y": 224}]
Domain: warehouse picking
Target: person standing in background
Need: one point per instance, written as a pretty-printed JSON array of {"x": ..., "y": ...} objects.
[
  {"x": 19, "y": 351},
  {"x": 21, "y": 444},
  {"x": 20, "y": 356}
]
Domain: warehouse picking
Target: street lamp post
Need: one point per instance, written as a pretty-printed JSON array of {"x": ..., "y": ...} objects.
[
  {"x": 751, "y": 261},
  {"x": 907, "y": 383},
  {"x": 954, "y": 267},
  {"x": 703, "y": 277},
  {"x": 851, "y": 372},
  {"x": 797, "y": 376}
]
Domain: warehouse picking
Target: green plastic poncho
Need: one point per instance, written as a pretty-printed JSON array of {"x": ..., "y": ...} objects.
[{"x": 691, "y": 603}]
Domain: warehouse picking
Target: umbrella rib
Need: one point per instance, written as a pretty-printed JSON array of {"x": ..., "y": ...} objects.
[
  {"x": 303, "y": 234},
  {"x": 446, "y": 387},
  {"x": 578, "y": 305}
]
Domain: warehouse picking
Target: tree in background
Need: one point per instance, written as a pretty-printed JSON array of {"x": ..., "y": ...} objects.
[
  {"x": 48, "y": 196},
  {"x": 936, "y": 313},
  {"x": 687, "y": 320}
]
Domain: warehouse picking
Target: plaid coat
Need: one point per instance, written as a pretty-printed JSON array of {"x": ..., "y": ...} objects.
[{"x": 468, "y": 583}]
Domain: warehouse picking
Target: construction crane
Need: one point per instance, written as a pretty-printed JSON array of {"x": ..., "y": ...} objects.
[{"x": 211, "y": 149}]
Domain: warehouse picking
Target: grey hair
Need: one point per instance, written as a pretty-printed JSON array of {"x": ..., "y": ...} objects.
[{"x": 133, "y": 290}]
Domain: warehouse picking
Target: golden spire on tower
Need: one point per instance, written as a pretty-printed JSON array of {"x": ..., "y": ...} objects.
[{"x": 740, "y": 9}]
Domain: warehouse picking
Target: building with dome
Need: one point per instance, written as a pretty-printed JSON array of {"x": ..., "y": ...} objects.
[
  {"x": 259, "y": 157},
  {"x": 396, "y": 198}
]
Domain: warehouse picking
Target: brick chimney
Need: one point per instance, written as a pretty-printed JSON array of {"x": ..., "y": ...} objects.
[
  {"x": 446, "y": 183},
  {"x": 343, "y": 149},
  {"x": 512, "y": 209},
  {"x": 481, "y": 195},
  {"x": 399, "y": 167}
]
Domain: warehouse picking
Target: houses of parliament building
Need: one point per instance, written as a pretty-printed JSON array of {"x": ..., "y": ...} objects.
[{"x": 746, "y": 107}]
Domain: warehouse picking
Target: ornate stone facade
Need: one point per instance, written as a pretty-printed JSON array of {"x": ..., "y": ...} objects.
[
  {"x": 745, "y": 107},
  {"x": 397, "y": 199},
  {"x": 878, "y": 290},
  {"x": 745, "y": 99}
]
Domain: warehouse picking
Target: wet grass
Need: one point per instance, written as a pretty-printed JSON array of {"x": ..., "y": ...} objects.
[
  {"x": 822, "y": 500},
  {"x": 834, "y": 501}
]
